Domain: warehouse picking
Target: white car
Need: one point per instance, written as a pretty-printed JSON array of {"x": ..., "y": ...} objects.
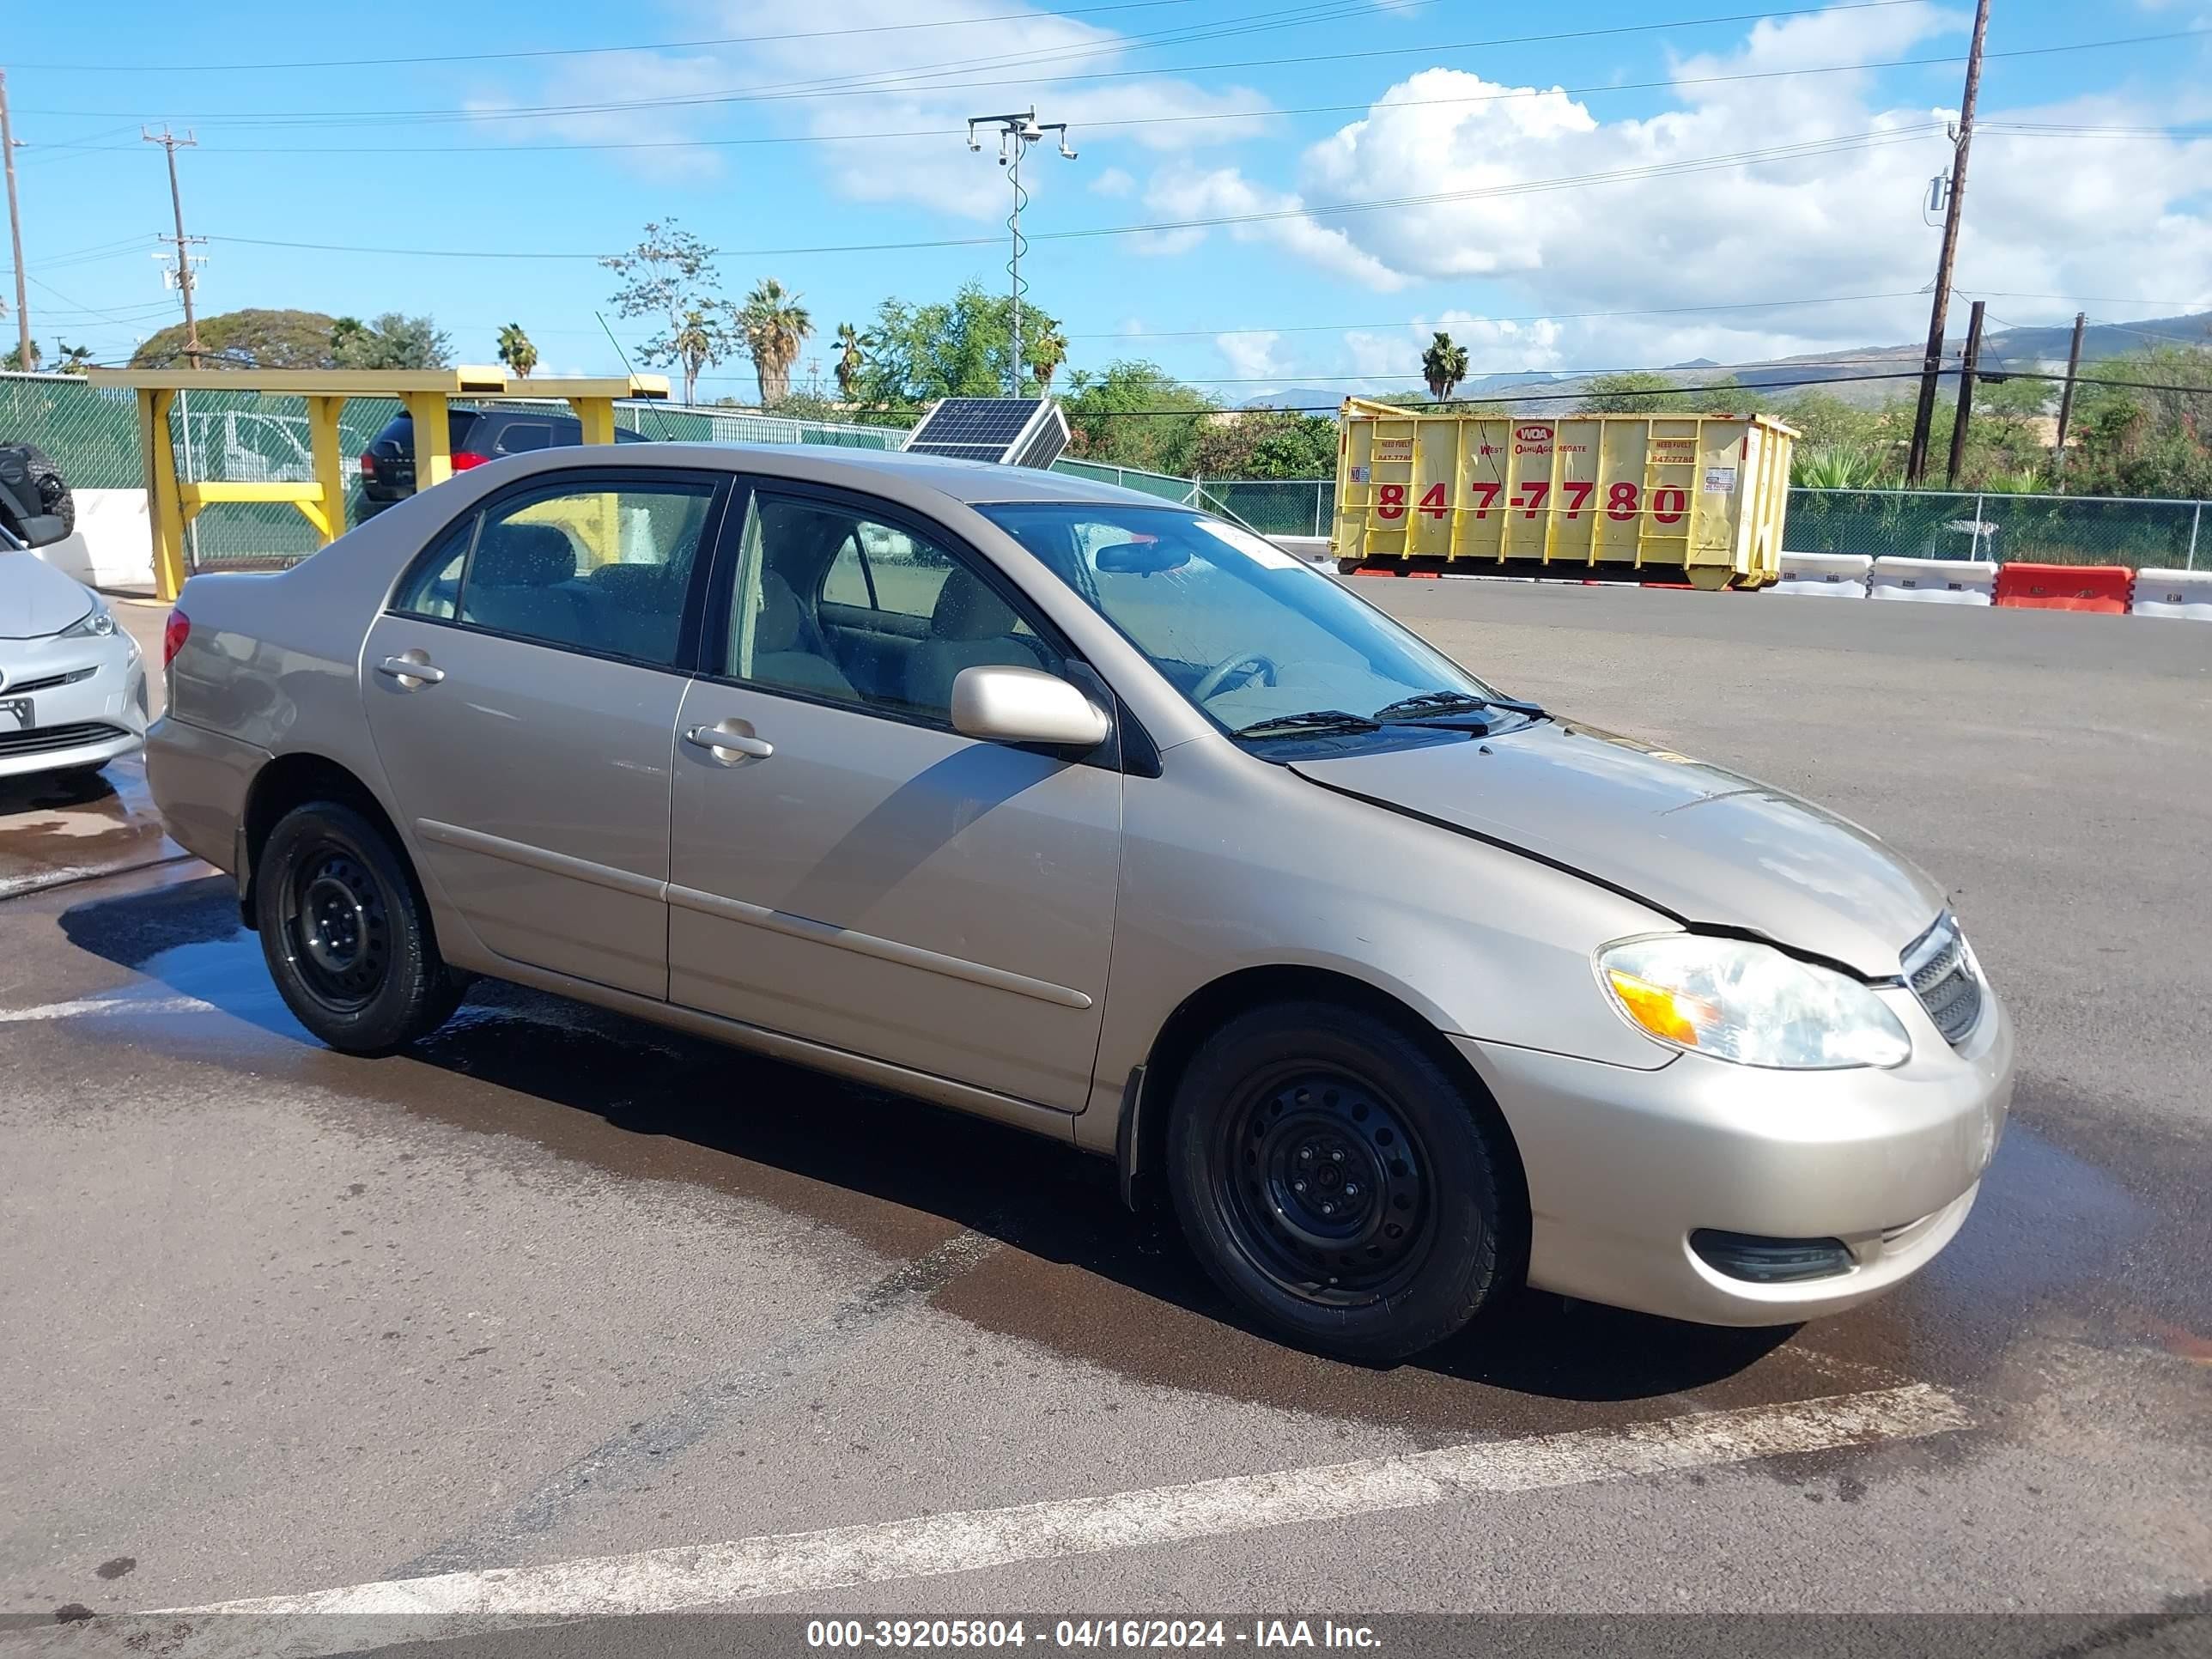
[{"x": 72, "y": 682}]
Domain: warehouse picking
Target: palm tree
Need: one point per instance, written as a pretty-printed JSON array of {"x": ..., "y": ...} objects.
[
  {"x": 850, "y": 361},
  {"x": 1443, "y": 365},
  {"x": 776, "y": 326},
  {"x": 1047, "y": 353},
  {"x": 73, "y": 359},
  {"x": 696, "y": 344},
  {"x": 516, "y": 351}
]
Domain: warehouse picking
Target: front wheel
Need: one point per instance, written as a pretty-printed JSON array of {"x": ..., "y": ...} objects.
[
  {"x": 1336, "y": 1182},
  {"x": 346, "y": 934}
]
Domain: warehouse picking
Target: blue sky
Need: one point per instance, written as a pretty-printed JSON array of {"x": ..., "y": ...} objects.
[{"x": 1558, "y": 204}]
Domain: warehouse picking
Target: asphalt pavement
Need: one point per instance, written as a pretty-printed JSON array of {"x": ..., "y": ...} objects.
[{"x": 665, "y": 1326}]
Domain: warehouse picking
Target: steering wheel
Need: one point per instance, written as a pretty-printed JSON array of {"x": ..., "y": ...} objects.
[{"x": 1252, "y": 661}]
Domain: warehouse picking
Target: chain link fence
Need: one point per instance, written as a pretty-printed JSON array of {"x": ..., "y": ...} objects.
[{"x": 248, "y": 437}]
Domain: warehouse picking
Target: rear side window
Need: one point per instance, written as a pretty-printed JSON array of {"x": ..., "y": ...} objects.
[
  {"x": 602, "y": 568},
  {"x": 516, "y": 437}
]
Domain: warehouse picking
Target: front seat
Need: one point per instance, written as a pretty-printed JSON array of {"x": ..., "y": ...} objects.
[
  {"x": 970, "y": 627},
  {"x": 783, "y": 635}
]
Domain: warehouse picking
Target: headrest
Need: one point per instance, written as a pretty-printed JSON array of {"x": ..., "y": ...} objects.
[
  {"x": 781, "y": 625},
  {"x": 523, "y": 555},
  {"x": 968, "y": 608}
]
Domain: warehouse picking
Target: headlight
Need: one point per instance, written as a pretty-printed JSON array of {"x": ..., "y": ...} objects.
[
  {"x": 95, "y": 624},
  {"x": 1750, "y": 1004}
]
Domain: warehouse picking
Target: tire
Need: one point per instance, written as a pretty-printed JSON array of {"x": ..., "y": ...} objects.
[
  {"x": 55, "y": 496},
  {"x": 346, "y": 932},
  {"x": 1318, "y": 1093}
]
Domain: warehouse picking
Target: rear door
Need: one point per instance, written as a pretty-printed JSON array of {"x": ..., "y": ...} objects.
[
  {"x": 845, "y": 867},
  {"x": 523, "y": 690}
]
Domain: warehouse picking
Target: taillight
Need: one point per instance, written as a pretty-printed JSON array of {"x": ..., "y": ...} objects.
[
  {"x": 465, "y": 458},
  {"x": 367, "y": 464},
  {"x": 174, "y": 633}
]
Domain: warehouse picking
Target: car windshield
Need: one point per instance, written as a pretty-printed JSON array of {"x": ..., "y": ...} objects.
[{"x": 1251, "y": 636}]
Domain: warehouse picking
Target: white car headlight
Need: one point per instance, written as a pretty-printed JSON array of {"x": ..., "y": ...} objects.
[
  {"x": 1750, "y": 1004},
  {"x": 95, "y": 624}
]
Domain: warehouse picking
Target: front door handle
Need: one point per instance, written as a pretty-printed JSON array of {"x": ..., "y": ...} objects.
[
  {"x": 404, "y": 669},
  {"x": 722, "y": 741}
]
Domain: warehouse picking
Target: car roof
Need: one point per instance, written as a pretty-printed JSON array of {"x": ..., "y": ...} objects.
[{"x": 891, "y": 472}]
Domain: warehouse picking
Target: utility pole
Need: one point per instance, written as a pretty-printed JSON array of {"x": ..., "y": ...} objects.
[
  {"x": 16, "y": 235},
  {"x": 1016, "y": 134},
  {"x": 1916, "y": 463},
  {"x": 2066, "y": 398},
  {"x": 1966, "y": 394},
  {"x": 169, "y": 142}
]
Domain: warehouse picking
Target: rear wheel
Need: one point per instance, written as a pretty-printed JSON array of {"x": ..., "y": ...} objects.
[
  {"x": 346, "y": 934},
  {"x": 1335, "y": 1181}
]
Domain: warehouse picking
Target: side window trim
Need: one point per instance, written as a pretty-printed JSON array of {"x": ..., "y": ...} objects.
[{"x": 723, "y": 489}]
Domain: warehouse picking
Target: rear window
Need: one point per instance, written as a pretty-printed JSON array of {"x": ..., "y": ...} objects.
[{"x": 400, "y": 430}]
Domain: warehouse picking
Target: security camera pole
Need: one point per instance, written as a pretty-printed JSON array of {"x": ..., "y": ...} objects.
[{"x": 1016, "y": 134}]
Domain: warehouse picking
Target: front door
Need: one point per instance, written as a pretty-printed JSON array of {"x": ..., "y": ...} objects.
[
  {"x": 848, "y": 868},
  {"x": 523, "y": 691}
]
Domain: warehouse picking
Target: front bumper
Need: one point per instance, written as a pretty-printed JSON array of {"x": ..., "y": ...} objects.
[
  {"x": 88, "y": 698},
  {"x": 1624, "y": 1165}
]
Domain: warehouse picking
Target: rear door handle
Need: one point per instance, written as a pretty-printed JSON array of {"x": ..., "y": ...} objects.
[
  {"x": 408, "y": 668},
  {"x": 722, "y": 741}
]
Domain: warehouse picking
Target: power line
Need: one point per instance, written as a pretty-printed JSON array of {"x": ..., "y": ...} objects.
[
  {"x": 1744, "y": 158},
  {"x": 747, "y": 95},
  {"x": 1529, "y": 317},
  {"x": 583, "y": 52}
]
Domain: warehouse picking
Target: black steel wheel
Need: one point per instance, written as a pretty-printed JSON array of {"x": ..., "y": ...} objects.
[
  {"x": 1341, "y": 1185},
  {"x": 1325, "y": 1185},
  {"x": 346, "y": 931}
]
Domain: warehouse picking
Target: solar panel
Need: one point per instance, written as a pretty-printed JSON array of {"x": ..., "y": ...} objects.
[{"x": 1010, "y": 431}]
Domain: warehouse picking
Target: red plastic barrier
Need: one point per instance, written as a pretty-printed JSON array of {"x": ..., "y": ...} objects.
[{"x": 2066, "y": 587}]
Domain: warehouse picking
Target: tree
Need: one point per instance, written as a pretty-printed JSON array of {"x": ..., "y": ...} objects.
[
  {"x": 1443, "y": 366},
  {"x": 1134, "y": 413},
  {"x": 516, "y": 351},
  {"x": 252, "y": 338},
  {"x": 850, "y": 361},
  {"x": 1638, "y": 393},
  {"x": 2142, "y": 440},
  {"x": 775, "y": 325},
  {"x": 1048, "y": 351},
  {"x": 1266, "y": 443},
  {"x": 392, "y": 341},
  {"x": 72, "y": 360},
  {"x": 13, "y": 363},
  {"x": 957, "y": 347},
  {"x": 670, "y": 276}
]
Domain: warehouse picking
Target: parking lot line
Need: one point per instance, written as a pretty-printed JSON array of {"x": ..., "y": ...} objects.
[{"x": 932, "y": 1545}]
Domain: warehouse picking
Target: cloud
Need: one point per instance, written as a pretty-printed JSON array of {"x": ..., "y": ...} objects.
[
  {"x": 1181, "y": 191},
  {"x": 1250, "y": 355},
  {"x": 1467, "y": 160},
  {"x": 1113, "y": 182},
  {"x": 879, "y": 73}
]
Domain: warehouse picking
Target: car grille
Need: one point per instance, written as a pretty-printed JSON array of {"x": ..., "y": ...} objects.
[
  {"x": 1942, "y": 974},
  {"x": 46, "y": 740},
  {"x": 53, "y": 682}
]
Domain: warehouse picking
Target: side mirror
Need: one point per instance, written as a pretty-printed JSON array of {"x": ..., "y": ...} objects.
[{"x": 1020, "y": 705}]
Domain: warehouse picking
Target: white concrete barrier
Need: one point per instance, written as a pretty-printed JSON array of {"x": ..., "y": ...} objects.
[
  {"x": 1824, "y": 575},
  {"x": 116, "y": 539},
  {"x": 1940, "y": 582},
  {"x": 2184, "y": 593}
]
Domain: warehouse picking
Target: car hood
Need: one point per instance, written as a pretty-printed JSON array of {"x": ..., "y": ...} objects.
[
  {"x": 36, "y": 599},
  {"x": 1707, "y": 846}
]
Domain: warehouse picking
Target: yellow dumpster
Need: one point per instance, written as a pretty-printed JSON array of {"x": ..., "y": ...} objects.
[{"x": 1672, "y": 498}]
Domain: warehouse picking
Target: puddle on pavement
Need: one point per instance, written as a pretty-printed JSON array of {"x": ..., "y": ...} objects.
[
  {"x": 55, "y": 827},
  {"x": 2058, "y": 1244}
]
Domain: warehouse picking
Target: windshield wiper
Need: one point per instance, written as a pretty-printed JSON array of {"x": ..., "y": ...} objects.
[
  {"x": 1315, "y": 722},
  {"x": 1427, "y": 705}
]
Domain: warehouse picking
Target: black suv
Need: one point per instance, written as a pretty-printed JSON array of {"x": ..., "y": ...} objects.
[{"x": 473, "y": 436}]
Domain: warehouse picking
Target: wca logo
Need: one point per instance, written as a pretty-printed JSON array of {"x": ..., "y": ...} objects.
[{"x": 1533, "y": 435}]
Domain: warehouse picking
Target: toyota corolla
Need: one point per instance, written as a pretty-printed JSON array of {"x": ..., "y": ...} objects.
[{"x": 1106, "y": 819}]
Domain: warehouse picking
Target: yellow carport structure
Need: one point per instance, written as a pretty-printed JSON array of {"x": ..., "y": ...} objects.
[{"x": 172, "y": 503}]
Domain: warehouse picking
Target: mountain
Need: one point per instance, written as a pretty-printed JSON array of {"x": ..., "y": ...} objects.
[{"x": 1848, "y": 374}]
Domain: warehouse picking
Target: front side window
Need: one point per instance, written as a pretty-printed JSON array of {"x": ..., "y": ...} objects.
[
  {"x": 830, "y": 602},
  {"x": 597, "y": 568},
  {"x": 1247, "y": 633}
]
